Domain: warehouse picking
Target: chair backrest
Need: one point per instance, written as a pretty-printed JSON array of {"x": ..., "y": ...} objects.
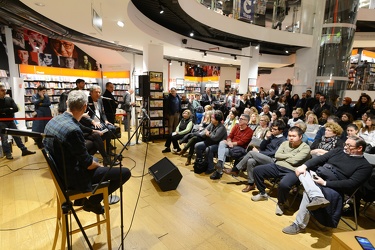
[
  {"x": 370, "y": 158},
  {"x": 57, "y": 180}
]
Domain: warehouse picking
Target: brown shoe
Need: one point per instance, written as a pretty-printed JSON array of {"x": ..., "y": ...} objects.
[
  {"x": 188, "y": 162},
  {"x": 248, "y": 188},
  {"x": 182, "y": 152},
  {"x": 230, "y": 172}
]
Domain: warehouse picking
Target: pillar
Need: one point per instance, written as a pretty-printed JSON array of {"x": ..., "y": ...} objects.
[
  {"x": 249, "y": 68},
  {"x": 335, "y": 47}
]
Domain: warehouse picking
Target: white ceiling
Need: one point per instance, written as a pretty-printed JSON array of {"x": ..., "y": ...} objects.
[{"x": 77, "y": 15}]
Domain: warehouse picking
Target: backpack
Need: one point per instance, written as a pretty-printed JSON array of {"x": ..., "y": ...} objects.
[{"x": 200, "y": 165}]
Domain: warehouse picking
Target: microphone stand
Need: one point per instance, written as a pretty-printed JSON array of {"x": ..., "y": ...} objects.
[
  {"x": 112, "y": 199},
  {"x": 119, "y": 157}
]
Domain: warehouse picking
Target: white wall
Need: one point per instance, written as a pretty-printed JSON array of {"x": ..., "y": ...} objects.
[
  {"x": 277, "y": 76},
  {"x": 226, "y": 73}
]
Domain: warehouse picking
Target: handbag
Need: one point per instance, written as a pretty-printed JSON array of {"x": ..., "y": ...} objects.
[
  {"x": 327, "y": 172},
  {"x": 200, "y": 165}
]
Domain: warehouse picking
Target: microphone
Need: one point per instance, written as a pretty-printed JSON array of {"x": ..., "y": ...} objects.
[
  {"x": 107, "y": 98},
  {"x": 17, "y": 132},
  {"x": 144, "y": 112}
]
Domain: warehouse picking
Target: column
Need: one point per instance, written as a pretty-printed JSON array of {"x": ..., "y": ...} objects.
[
  {"x": 249, "y": 68},
  {"x": 305, "y": 68},
  {"x": 335, "y": 47}
]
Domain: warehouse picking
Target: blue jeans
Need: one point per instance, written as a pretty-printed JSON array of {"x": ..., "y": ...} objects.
[{"x": 4, "y": 138}]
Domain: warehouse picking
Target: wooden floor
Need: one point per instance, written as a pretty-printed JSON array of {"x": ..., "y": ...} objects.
[{"x": 200, "y": 214}]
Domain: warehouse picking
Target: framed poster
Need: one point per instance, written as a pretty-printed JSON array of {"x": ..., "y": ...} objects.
[{"x": 156, "y": 76}]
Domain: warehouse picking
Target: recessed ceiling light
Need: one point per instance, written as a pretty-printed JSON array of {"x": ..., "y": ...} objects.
[
  {"x": 40, "y": 4},
  {"x": 120, "y": 23}
]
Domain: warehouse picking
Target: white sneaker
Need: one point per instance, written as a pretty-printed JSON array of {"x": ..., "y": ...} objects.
[{"x": 260, "y": 197}]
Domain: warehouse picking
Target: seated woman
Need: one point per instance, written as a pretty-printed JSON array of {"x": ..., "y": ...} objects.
[
  {"x": 368, "y": 134},
  {"x": 254, "y": 121},
  {"x": 231, "y": 121},
  {"x": 201, "y": 136},
  {"x": 260, "y": 132},
  {"x": 329, "y": 141},
  {"x": 324, "y": 116},
  {"x": 352, "y": 130},
  {"x": 183, "y": 128},
  {"x": 295, "y": 118},
  {"x": 312, "y": 124},
  {"x": 346, "y": 119},
  {"x": 301, "y": 114}
]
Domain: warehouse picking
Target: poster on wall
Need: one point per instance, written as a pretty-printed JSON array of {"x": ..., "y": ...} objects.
[
  {"x": 32, "y": 48},
  {"x": 196, "y": 70}
]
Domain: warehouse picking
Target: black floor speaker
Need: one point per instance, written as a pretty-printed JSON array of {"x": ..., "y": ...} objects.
[{"x": 166, "y": 174}]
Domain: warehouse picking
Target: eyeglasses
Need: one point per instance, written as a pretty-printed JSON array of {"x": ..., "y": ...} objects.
[
  {"x": 242, "y": 119},
  {"x": 348, "y": 145}
]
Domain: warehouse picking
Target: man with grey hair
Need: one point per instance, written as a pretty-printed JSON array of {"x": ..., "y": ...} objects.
[
  {"x": 234, "y": 146},
  {"x": 81, "y": 169},
  {"x": 341, "y": 170},
  {"x": 7, "y": 109}
]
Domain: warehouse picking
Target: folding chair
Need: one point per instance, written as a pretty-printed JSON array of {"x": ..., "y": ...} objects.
[
  {"x": 347, "y": 200},
  {"x": 61, "y": 222}
]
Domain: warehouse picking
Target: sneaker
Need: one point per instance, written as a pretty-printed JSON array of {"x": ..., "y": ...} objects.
[
  {"x": 260, "y": 197},
  {"x": 279, "y": 209},
  {"x": 293, "y": 229},
  {"x": 27, "y": 152},
  {"x": 215, "y": 176},
  {"x": 176, "y": 150},
  {"x": 316, "y": 203},
  {"x": 9, "y": 156},
  {"x": 166, "y": 150}
]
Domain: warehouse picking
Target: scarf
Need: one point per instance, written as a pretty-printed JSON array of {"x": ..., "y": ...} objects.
[{"x": 328, "y": 143}]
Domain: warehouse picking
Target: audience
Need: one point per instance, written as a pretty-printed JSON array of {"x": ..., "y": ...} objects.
[{"x": 329, "y": 141}]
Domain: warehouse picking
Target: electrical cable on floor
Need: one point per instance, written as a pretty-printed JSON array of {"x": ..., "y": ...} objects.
[
  {"x": 18, "y": 228},
  {"x": 139, "y": 195},
  {"x": 22, "y": 168}
]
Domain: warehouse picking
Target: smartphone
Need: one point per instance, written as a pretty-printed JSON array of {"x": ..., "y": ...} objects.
[{"x": 365, "y": 243}]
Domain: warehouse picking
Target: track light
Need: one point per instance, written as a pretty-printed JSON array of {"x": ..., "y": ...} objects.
[
  {"x": 235, "y": 57},
  {"x": 192, "y": 33},
  {"x": 204, "y": 53},
  {"x": 257, "y": 47},
  {"x": 180, "y": 63},
  {"x": 286, "y": 52},
  {"x": 170, "y": 62},
  {"x": 161, "y": 9}
]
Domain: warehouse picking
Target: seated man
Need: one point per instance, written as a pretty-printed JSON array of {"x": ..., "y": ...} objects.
[
  {"x": 96, "y": 117},
  {"x": 81, "y": 170},
  {"x": 263, "y": 156},
  {"x": 235, "y": 145},
  {"x": 291, "y": 154},
  {"x": 348, "y": 170}
]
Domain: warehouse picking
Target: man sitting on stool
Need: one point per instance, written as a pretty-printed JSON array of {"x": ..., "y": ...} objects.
[
  {"x": 345, "y": 171},
  {"x": 81, "y": 170}
]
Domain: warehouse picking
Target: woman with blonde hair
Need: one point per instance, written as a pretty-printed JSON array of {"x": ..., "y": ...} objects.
[
  {"x": 254, "y": 121},
  {"x": 312, "y": 123},
  {"x": 261, "y": 131},
  {"x": 368, "y": 134},
  {"x": 329, "y": 141}
]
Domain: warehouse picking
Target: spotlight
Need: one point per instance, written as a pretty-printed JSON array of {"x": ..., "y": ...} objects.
[
  {"x": 235, "y": 57},
  {"x": 204, "y": 53},
  {"x": 192, "y": 33},
  {"x": 120, "y": 24},
  {"x": 170, "y": 62},
  {"x": 286, "y": 52},
  {"x": 161, "y": 9},
  {"x": 257, "y": 47}
]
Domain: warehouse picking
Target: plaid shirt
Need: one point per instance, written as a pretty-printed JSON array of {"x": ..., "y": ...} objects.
[{"x": 66, "y": 129}]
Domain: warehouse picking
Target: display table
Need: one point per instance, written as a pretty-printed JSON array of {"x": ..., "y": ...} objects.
[{"x": 346, "y": 240}]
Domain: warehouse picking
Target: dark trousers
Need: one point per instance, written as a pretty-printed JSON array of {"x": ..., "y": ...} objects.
[
  {"x": 98, "y": 143},
  {"x": 173, "y": 139},
  {"x": 4, "y": 138},
  {"x": 272, "y": 170},
  {"x": 113, "y": 176}
]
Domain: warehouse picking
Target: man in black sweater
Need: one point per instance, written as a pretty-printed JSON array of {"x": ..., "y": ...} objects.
[
  {"x": 265, "y": 155},
  {"x": 7, "y": 109},
  {"x": 341, "y": 170}
]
